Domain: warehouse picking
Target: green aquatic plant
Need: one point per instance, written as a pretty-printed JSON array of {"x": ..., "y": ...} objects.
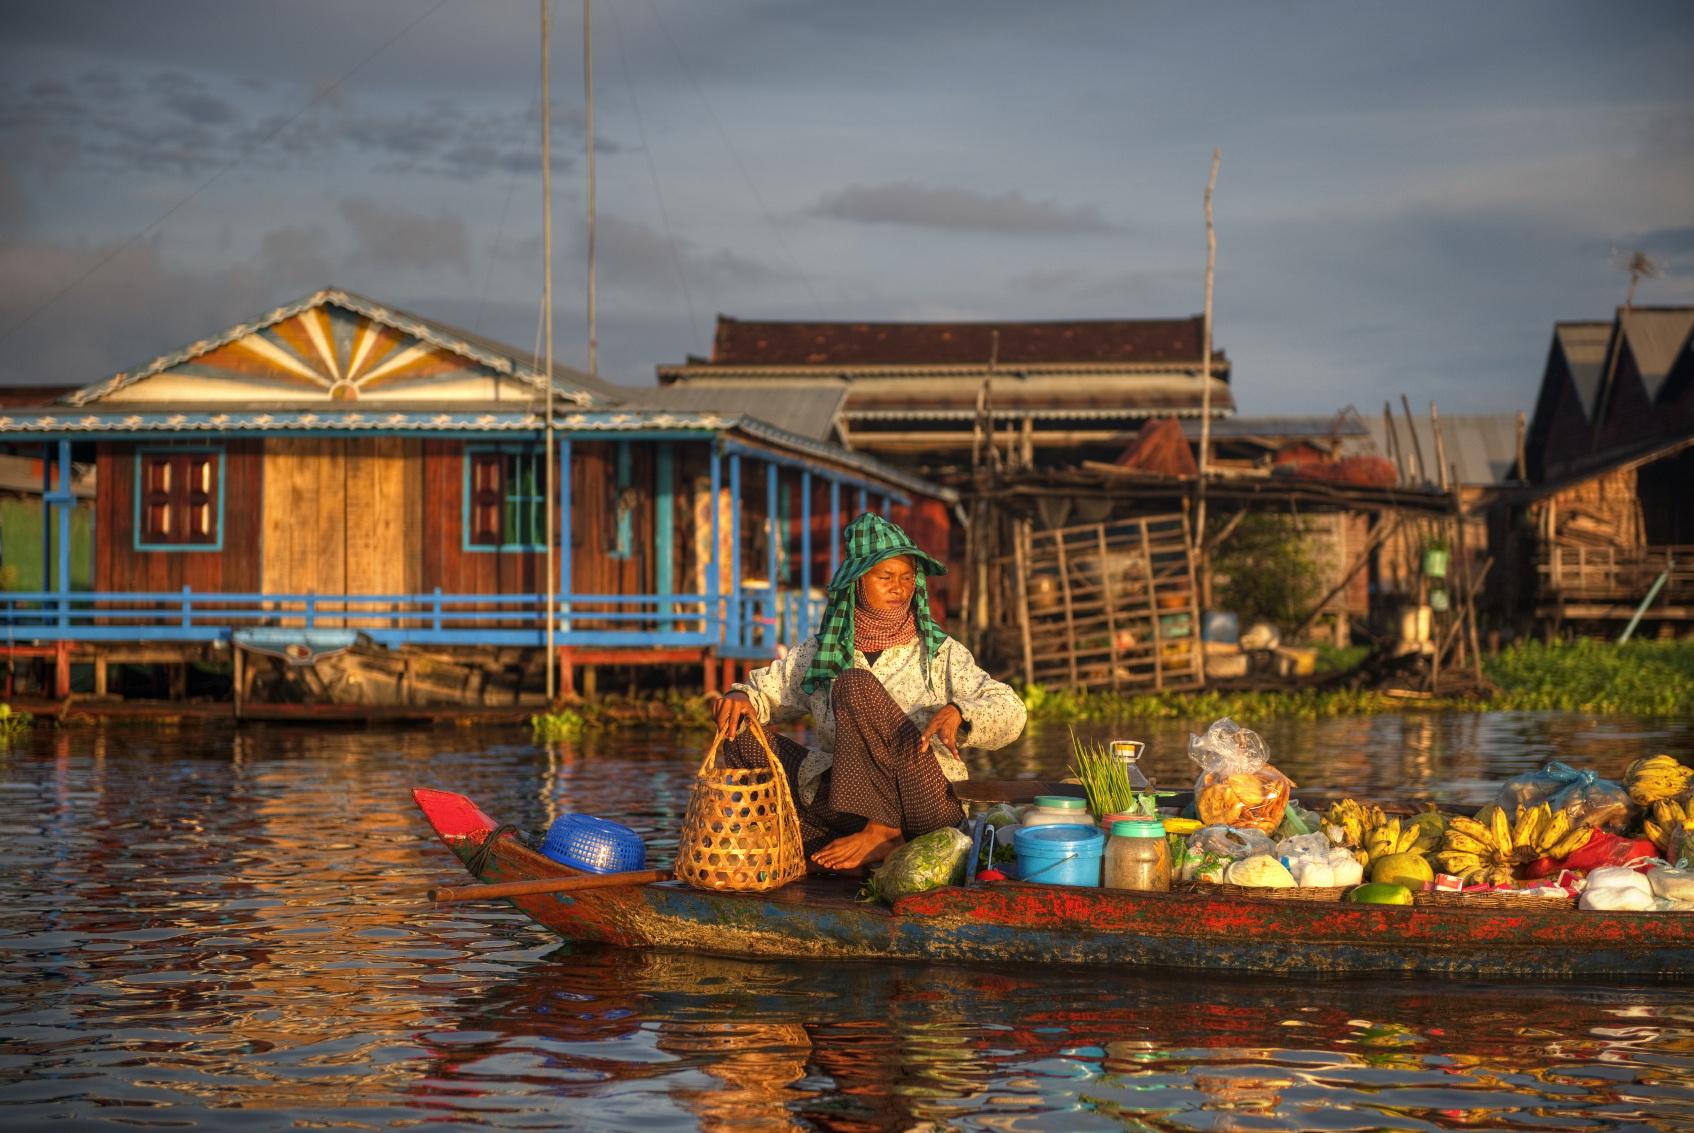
[
  {"x": 14, "y": 723},
  {"x": 553, "y": 727},
  {"x": 1641, "y": 678}
]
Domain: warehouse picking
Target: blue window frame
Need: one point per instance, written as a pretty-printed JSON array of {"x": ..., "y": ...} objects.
[
  {"x": 505, "y": 501},
  {"x": 179, "y": 499}
]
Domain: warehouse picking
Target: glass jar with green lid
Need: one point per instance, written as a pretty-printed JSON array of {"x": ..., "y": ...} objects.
[{"x": 1137, "y": 856}]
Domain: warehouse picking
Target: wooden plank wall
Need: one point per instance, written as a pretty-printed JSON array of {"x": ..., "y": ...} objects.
[
  {"x": 342, "y": 515},
  {"x": 446, "y": 562},
  {"x": 118, "y": 566}
]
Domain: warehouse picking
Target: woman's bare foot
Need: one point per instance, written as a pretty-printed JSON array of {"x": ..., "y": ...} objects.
[{"x": 868, "y": 847}]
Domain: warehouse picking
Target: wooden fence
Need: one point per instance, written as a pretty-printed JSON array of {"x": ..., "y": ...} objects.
[{"x": 1109, "y": 605}]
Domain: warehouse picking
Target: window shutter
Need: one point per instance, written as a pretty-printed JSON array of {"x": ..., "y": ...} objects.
[
  {"x": 157, "y": 488},
  {"x": 488, "y": 498},
  {"x": 199, "y": 479}
]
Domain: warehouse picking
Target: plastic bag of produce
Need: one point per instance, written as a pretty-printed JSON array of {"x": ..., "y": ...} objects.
[
  {"x": 1677, "y": 884},
  {"x": 1237, "y": 785},
  {"x": 1314, "y": 846},
  {"x": 1591, "y": 800},
  {"x": 935, "y": 859},
  {"x": 1229, "y": 842}
]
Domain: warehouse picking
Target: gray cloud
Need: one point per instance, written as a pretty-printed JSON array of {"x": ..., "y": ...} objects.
[
  {"x": 170, "y": 122},
  {"x": 635, "y": 255},
  {"x": 906, "y": 202},
  {"x": 392, "y": 236}
]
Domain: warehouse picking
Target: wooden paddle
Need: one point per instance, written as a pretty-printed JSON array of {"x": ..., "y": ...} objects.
[{"x": 444, "y": 893}]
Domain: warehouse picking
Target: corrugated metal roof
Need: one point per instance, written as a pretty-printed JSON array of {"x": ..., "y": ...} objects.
[
  {"x": 1482, "y": 446},
  {"x": 1292, "y": 428},
  {"x": 1656, "y": 334},
  {"x": 1584, "y": 347},
  {"x": 807, "y": 411}
]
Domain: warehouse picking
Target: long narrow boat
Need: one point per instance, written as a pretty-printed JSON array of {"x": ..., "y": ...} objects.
[{"x": 1027, "y": 923}]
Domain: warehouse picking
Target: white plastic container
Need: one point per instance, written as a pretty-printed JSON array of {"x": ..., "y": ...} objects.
[{"x": 1058, "y": 810}]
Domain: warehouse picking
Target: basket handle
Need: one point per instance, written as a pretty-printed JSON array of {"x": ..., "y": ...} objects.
[{"x": 758, "y": 734}]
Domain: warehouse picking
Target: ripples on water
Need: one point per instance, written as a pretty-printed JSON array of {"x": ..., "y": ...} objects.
[{"x": 226, "y": 931}]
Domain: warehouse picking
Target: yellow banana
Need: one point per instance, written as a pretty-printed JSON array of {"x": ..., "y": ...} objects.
[
  {"x": 1555, "y": 829},
  {"x": 1457, "y": 863},
  {"x": 1572, "y": 842},
  {"x": 1471, "y": 828},
  {"x": 1520, "y": 829},
  {"x": 1464, "y": 843},
  {"x": 1408, "y": 838},
  {"x": 1502, "y": 828},
  {"x": 1656, "y": 834}
]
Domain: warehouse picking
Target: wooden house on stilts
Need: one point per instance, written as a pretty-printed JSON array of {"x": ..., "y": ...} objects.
[{"x": 339, "y": 503}]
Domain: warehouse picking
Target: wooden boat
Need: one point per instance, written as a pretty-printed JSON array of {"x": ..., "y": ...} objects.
[{"x": 1029, "y": 923}]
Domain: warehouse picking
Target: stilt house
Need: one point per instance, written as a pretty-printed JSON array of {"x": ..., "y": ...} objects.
[{"x": 340, "y": 476}]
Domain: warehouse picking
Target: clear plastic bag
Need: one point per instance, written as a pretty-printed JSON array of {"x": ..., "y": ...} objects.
[
  {"x": 1591, "y": 800},
  {"x": 937, "y": 858},
  {"x": 1237, "y": 785},
  {"x": 1229, "y": 842},
  {"x": 1315, "y": 846}
]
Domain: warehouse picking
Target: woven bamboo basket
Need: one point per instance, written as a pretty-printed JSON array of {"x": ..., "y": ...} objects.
[
  {"x": 742, "y": 830},
  {"x": 1297, "y": 893},
  {"x": 1492, "y": 899}
]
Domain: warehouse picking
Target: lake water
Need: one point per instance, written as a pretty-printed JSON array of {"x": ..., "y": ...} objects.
[{"x": 211, "y": 929}]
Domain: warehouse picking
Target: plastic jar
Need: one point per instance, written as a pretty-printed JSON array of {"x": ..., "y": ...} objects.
[
  {"x": 1138, "y": 857},
  {"x": 1058, "y": 810}
]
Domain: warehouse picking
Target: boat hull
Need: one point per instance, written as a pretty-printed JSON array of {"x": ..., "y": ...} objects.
[{"x": 1021, "y": 923}]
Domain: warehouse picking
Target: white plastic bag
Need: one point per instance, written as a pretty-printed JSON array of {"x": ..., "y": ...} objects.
[
  {"x": 1677, "y": 884},
  {"x": 1303, "y": 846},
  {"x": 1612, "y": 898},
  {"x": 1233, "y": 842},
  {"x": 1619, "y": 877}
]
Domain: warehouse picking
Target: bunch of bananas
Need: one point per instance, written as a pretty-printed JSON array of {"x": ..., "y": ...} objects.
[
  {"x": 1485, "y": 849},
  {"x": 1654, "y": 778},
  {"x": 1348, "y": 820},
  {"x": 1370, "y": 834},
  {"x": 1667, "y": 818},
  {"x": 1397, "y": 837}
]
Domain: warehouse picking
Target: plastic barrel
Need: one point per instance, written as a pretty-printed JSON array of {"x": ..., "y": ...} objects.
[{"x": 1060, "y": 855}]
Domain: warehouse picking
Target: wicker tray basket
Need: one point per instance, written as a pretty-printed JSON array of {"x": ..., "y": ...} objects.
[
  {"x": 1297, "y": 893},
  {"x": 742, "y": 830},
  {"x": 1492, "y": 899}
]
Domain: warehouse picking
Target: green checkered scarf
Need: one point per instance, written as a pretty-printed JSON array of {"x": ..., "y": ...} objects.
[{"x": 870, "y": 539}]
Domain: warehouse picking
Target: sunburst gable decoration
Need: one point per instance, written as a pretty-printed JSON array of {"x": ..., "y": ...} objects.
[{"x": 331, "y": 345}]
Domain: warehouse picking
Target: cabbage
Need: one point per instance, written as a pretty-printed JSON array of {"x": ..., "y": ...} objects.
[
  {"x": 1261, "y": 870},
  {"x": 928, "y": 862}
]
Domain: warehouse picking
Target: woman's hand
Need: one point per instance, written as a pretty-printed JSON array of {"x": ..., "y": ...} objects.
[
  {"x": 730, "y": 710},
  {"x": 945, "y": 723}
]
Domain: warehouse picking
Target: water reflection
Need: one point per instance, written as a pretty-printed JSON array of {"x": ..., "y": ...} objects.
[{"x": 216, "y": 929}]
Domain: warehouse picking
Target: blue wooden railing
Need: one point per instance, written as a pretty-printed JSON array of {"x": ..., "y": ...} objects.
[{"x": 748, "y": 623}]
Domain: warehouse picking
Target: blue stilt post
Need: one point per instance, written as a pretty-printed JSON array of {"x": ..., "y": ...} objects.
[
  {"x": 805, "y": 621},
  {"x": 888, "y": 507},
  {"x": 564, "y": 534},
  {"x": 735, "y": 632},
  {"x": 714, "y": 564},
  {"x": 773, "y": 545},
  {"x": 864, "y": 503},
  {"x": 664, "y": 521},
  {"x": 64, "y": 501}
]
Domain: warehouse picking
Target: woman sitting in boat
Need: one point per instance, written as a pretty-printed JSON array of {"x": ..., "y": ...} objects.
[{"x": 880, "y": 680}]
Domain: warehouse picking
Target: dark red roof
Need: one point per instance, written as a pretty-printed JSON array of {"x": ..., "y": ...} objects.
[{"x": 955, "y": 344}]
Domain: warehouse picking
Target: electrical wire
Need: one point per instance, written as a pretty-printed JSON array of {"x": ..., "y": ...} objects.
[
  {"x": 723, "y": 136},
  {"x": 653, "y": 175},
  {"x": 322, "y": 94}
]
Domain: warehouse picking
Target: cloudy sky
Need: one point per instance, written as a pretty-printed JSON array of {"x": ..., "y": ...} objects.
[{"x": 1410, "y": 194}]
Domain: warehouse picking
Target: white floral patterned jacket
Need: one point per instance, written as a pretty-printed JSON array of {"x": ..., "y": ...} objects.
[{"x": 993, "y": 713}]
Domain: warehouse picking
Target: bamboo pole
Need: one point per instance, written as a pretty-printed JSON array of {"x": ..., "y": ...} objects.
[
  {"x": 550, "y": 492},
  {"x": 1020, "y": 548},
  {"x": 1417, "y": 445},
  {"x": 1206, "y": 369},
  {"x": 1381, "y": 535},
  {"x": 446, "y": 893},
  {"x": 1440, "y": 449}
]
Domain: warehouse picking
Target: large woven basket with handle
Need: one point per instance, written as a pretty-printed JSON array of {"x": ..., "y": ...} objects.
[{"x": 742, "y": 830}]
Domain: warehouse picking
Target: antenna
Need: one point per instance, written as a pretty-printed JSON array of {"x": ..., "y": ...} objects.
[{"x": 551, "y": 494}]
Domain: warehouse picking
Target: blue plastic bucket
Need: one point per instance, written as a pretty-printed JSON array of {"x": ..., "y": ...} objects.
[
  {"x": 594, "y": 844},
  {"x": 1060, "y": 855}
]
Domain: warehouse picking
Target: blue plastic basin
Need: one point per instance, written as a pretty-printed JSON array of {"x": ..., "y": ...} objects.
[{"x": 1060, "y": 854}]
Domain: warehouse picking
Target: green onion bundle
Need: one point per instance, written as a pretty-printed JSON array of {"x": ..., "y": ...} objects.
[{"x": 1106, "y": 779}]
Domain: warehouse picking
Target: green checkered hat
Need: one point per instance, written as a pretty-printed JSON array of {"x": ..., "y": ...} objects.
[{"x": 870, "y": 539}]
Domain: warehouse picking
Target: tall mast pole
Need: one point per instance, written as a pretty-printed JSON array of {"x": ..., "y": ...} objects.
[
  {"x": 588, "y": 93},
  {"x": 1206, "y": 386},
  {"x": 551, "y": 495}
]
